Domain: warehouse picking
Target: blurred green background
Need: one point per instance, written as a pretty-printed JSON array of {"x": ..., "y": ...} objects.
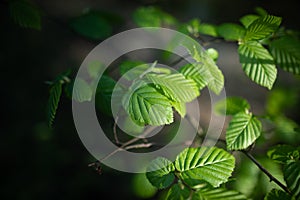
[{"x": 43, "y": 163}]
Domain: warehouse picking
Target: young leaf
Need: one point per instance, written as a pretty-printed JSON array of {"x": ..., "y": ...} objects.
[
  {"x": 286, "y": 53},
  {"x": 218, "y": 194},
  {"x": 160, "y": 173},
  {"x": 257, "y": 63},
  {"x": 291, "y": 173},
  {"x": 175, "y": 86},
  {"x": 91, "y": 25},
  {"x": 284, "y": 153},
  {"x": 146, "y": 105},
  {"x": 231, "y": 31},
  {"x": 213, "y": 53},
  {"x": 231, "y": 106},
  {"x": 242, "y": 131},
  {"x": 152, "y": 17},
  {"x": 276, "y": 194},
  {"x": 178, "y": 192},
  {"x": 208, "y": 29},
  {"x": 196, "y": 72},
  {"x": 25, "y": 14},
  {"x": 82, "y": 91},
  {"x": 180, "y": 107},
  {"x": 262, "y": 27},
  {"x": 55, "y": 93},
  {"x": 248, "y": 19},
  {"x": 209, "y": 164}
]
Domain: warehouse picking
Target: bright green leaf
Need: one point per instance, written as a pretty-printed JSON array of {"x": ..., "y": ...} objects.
[
  {"x": 291, "y": 173},
  {"x": 242, "y": 131},
  {"x": 208, "y": 29},
  {"x": 231, "y": 106},
  {"x": 276, "y": 194},
  {"x": 25, "y": 14},
  {"x": 178, "y": 192},
  {"x": 213, "y": 53},
  {"x": 175, "y": 86},
  {"x": 231, "y": 31},
  {"x": 209, "y": 164},
  {"x": 286, "y": 53},
  {"x": 180, "y": 107},
  {"x": 248, "y": 19},
  {"x": 146, "y": 105},
  {"x": 196, "y": 72},
  {"x": 160, "y": 173},
  {"x": 258, "y": 64},
  {"x": 142, "y": 188},
  {"x": 262, "y": 27},
  {"x": 284, "y": 153},
  {"x": 218, "y": 194}
]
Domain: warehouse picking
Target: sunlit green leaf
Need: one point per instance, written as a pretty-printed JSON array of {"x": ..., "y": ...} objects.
[
  {"x": 231, "y": 106},
  {"x": 231, "y": 31},
  {"x": 209, "y": 164},
  {"x": 196, "y": 72},
  {"x": 242, "y": 131},
  {"x": 180, "y": 107},
  {"x": 213, "y": 53},
  {"x": 258, "y": 64}
]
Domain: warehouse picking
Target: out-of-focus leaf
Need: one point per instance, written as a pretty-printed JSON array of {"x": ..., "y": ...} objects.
[
  {"x": 231, "y": 31},
  {"x": 276, "y": 194},
  {"x": 284, "y": 153},
  {"x": 248, "y": 19},
  {"x": 231, "y": 106},
  {"x": 291, "y": 173},
  {"x": 142, "y": 188},
  {"x": 82, "y": 91}
]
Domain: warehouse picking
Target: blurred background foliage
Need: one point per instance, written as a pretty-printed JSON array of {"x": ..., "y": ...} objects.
[{"x": 41, "y": 39}]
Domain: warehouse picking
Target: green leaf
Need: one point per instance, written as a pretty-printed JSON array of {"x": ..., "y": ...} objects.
[
  {"x": 55, "y": 93},
  {"x": 284, "y": 153},
  {"x": 209, "y": 164},
  {"x": 218, "y": 194},
  {"x": 178, "y": 192},
  {"x": 160, "y": 173},
  {"x": 213, "y": 53},
  {"x": 25, "y": 14},
  {"x": 276, "y": 194},
  {"x": 291, "y": 173},
  {"x": 258, "y": 64},
  {"x": 242, "y": 131},
  {"x": 208, "y": 29},
  {"x": 231, "y": 106},
  {"x": 231, "y": 31},
  {"x": 131, "y": 70},
  {"x": 94, "y": 68},
  {"x": 196, "y": 72},
  {"x": 248, "y": 19},
  {"x": 286, "y": 53},
  {"x": 180, "y": 107},
  {"x": 262, "y": 27},
  {"x": 175, "y": 86},
  {"x": 82, "y": 91},
  {"x": 213, "y": 75},
  {"x": 152, "y": 17},
  {"x": 92, "y": 25},
  {"x": 146, "y": 105},
  {"x": 142, "y": 188}
]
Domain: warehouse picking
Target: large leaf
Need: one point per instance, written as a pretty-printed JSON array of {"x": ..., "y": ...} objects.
[
  {"x": 209, "y": 164},
  {"x": 262, "y": 27},
  {"x": 197, "y": 72},
  {"x": 284, "y": 153},
  {"x": 92, "y": 25},
  {"x": 178, "y": 192},
  {"x": 218, "y": 194},
  {"x": 55, "y": 93},
  {"x": 231, "y": 31},
  {"x": 25, "y": 14},
  {"x": 160, "y": 173},
  {"x": 242, "y": 131},
  {"x": 291, "y": 173},
  {"x": 257, "y": 63},
  {"x": 175, "y": 86},
  {"x": 286, "y": 53},
  {"x": 276, "y": 194},
  {"x": 146, "y": 105},
  {"x": 231, "y": 106}
]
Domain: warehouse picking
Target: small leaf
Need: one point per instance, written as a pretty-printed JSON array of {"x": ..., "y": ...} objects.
[
  {"x": 284, "y": 153},
  {"x": 248, "y": 19},
  {"x": 291, "y": 173},
  {"x": 242, "y": 131},
  {"x": 175, "y": 86},
  {"x": 213, "y": 53},
  {"x": 218, "y": 194},
  {"x": 178, "y": 192},
  {"x": 160, "y": 173},
  {"x": 92, "y": 25},
  {"x": 209, "y": 164},
  {"x": 262, "y": 27},
  {"x": 25, "y": 14},
  {"x": 286, "y": 53},
  {"x": 146, "y": 105},
  {"x": 82, "y": 91},
  {"x": 208, "y": 29},
  {"x": 276, "y": 194},
  {"x": 55, "y": 93},
  {"x": 258, "y": 64},
  {"x": 231, "y": 31},
  {"x": 180, "y": 107},
  {"x": 231, "y": 106},
  {"x": 94, "y": 68}
]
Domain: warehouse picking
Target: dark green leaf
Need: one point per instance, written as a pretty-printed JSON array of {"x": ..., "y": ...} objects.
[
  {"x": 231, "y": 106},
  {"x": 231, "y": 31},
  {"x": 284, "y": 153},
  {"x": 55, "y": 93},
  {"x": 258, "y": 64},
  {"x": 160, "y": 173},
  {"x": 178, "y": 192},
  {"x": 291, "y": 173},
  {"x": 276, "y": 194},
  {"x": 218, "y": 194},
  {"x": 242, "y": 131}
]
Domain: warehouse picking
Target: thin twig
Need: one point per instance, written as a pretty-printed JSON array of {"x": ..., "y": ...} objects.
[{"x": 264, "y": 170}]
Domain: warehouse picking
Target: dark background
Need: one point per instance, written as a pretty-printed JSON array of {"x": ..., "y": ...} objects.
[{"x": 43, "y": 163}]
